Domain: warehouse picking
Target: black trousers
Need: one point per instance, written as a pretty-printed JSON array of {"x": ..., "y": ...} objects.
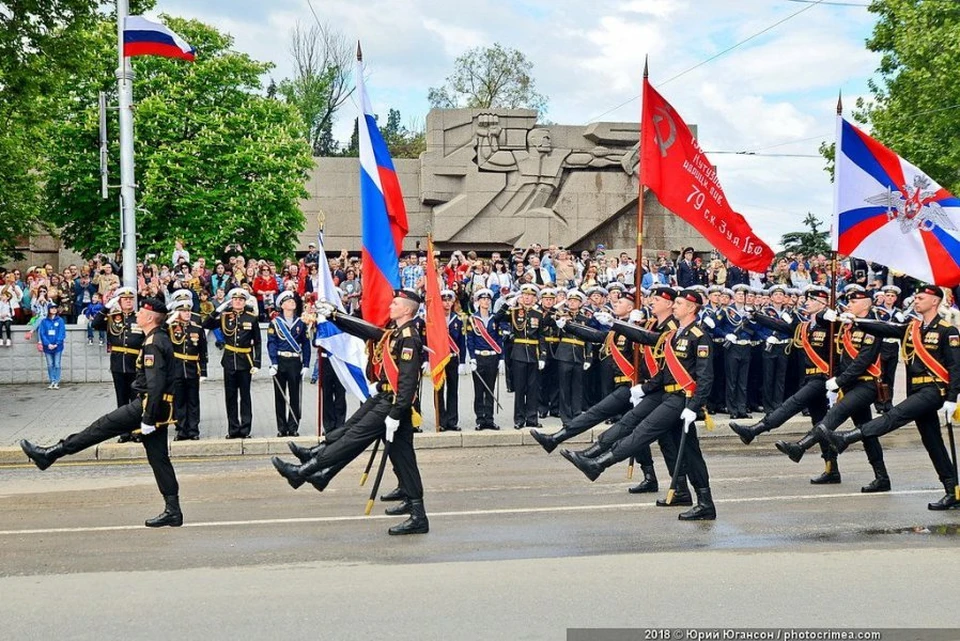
[
  {"x": 549, "y": 399},
  {"x": 123, "y": 387},
  {"x": 737, "y": 362},
  {"x": 664, "y": 421},
  {"x": 813, "y": 396},
  {"x": 186, "y": 406},
  {"x": 921, "y": 406},
  {"x": 614, "y": 404},
  {"x": 774, "y": 375},
  {"x": 570, "y": 381},
  {"x": 889, "y": 357},
  {"x": 334, "y": 398},
  {"x": 482, "y": 399},
  {"x": 124, "y": 420},
  {"x": 449, "y": 401},
  {"x": 755, "y": 378},
  {"x": 718, "y": 391},
  {"x": 289, "y": 380},
  {"x": 855, "y": 404},
  {"x": 363, "y": 428},
  {"x": 526, "y": 387},
  {"x": 625, "y": 428},
  {"x": 236, "y": 382}
]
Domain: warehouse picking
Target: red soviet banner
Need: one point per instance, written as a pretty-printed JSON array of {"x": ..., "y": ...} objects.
[{"x": 674, "y": 167}]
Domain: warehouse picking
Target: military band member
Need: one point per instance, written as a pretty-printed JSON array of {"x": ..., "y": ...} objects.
[
  {"x": 240, "y": 360},
  {"x": 288, "y": 344},
  {"x": 525, "y": 321},
  {"x": 684, "y": 383},
  {"x": 150, "y": 414},
  {"x": 738, "y": 340},
  {"x": 931, "y": 348},
  {"x": 124, "y": 339},
  {"x": 385, "y": 415},
  {"x": 714, "y": 309},
  {"x": 189, "y": 342},
  {"x": 888, "y": 311},
  {"x": 775, "y": 349},
  {"x": 449, "y": 401},
  {"x": 572, "y": 356},
  {"x": 857, "y": 359},
  {"x": 549, "y": 400},
  {"x": 486, "y": 358}
]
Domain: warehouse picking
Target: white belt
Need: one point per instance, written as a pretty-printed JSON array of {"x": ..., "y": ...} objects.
[
  {"x": 779, "y": 342},
  {"x": 288, "y": 354},
  {"x": 741, "y": 342},
  {"x": 893, "y": 341}
]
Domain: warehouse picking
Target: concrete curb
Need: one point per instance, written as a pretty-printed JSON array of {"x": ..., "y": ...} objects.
[{"x": 427, "y": 440}]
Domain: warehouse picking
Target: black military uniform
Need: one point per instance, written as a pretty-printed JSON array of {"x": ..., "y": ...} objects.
[
  {"x": 685, "y": 384},
  {"x": 398, "y": 380},
  {"x": 775, "y": 355},
  {"x": 526, "y": 360},
  {"x": 189, "y": 342},
  {"x": 449, "y": 394},
  {"x": 334, "y": 413},
  {"x": 549, "y": 401},
  {"x": 890, "y": 347},
  {"x": 241, "y": 358},
  {"x": 152, "y": 410},
  {"x": 288, "y": 344},
  {"x": 932, "y": 359},
  {"x": 571, "y": 354},
  {"x": 124, "y": 340},
  {"x": 486, "y": 361},
  {"x": 738, "y": 343}
]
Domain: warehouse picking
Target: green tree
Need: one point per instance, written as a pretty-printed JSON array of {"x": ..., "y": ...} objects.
[
  {"x": 811, "y": 242},
  {"x": 401, "y": 141},
  {"x": 487, "y": 78},
  {"x": 216, "y": 162}
]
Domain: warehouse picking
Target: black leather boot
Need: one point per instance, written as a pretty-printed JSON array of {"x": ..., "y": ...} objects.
[
  {"x": 549, "y": 442},
  {"x": 42, "y": 457},
  {"x": 296, "y": 475},
  {"x": 949, "y": 500},
  {"x": 839, "y": 441},
  {"x": 304, "y": 454},
  {"x": 881, "y": 481},
  {"x": 416, "y": 524},
  {"x": 171, "y": 515},
  {"x": 748, "y": 432},
  {"x": 403, "y": 507},
  {"x": 594, "y": 450},
  {"x": 681, "y": 496},
  {"x": 592, "y": 468},
  {"x": 704, "y": 510},
  {"x": 395, "y": 494},
  {"x": 796, "y": 450},
  {"x": 320, "y": 480},
  {"x": 831, "y": 473},
  {"x": 649, "y": 482}
]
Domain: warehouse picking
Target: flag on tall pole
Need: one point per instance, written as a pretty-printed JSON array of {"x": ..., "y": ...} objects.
[
  {"x": 438, "y": 332},
  {"x": 674, "y": 167},
  {"x": 142, "y": 37},
  {"x": 889, "y": 211},
  {"x": 384, "y": 217}
]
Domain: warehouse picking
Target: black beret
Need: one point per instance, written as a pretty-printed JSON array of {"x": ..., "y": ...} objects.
[
  {"x": 409, "y": 294},
  {"x": 154, "y": 305}
]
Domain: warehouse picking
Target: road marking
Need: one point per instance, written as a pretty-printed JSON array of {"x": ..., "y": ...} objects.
[{"x": 434, "y": 515}]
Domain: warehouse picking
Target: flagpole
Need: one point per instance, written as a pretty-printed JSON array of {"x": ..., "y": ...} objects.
[
  {"x": 128, "y": 194},
  {"x": 834, "y": 232},
  {"x": 321, "y": 264}
]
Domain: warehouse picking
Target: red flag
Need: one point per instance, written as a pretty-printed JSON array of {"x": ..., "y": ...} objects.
[
  {"x": 438, "y": 334},
  {"x": 674, "y": 167}
]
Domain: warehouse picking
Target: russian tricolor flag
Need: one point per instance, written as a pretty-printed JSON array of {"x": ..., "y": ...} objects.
[
  {"x": 384, "y": 217},
  {"x": 142, "y": 37}
]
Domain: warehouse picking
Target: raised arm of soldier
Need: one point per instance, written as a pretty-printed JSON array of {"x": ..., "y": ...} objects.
[{"x": 489, "y": 155}]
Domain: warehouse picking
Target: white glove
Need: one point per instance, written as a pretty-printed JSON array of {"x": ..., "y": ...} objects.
[
  {"x": 636, "y": 394},
  {"x": 541, "y": 364},
  {"x": 688, "y": 416},
  {"x": 561, "y": 322},
  {"x": 473, "y": 365},
  {"x": 392, "y": 425},
  {"x": 731, "y": 337},
  {"x": 831, "y": 399},
  {"x": 425, "y": 367},
  {"x": 899, "y": 317},
  {"x": 709, "y": 322},
  {"x": 586, "y": 365},
  {"x": 501, "y": 366},
  {"x": 832, "y": 384},
  {"x": 223, "y": 307},
  {"x": 949, "y": 407},
  {"x": 462, "y": 369},
  {"x": 203, "y": 378},
  {"x": 772, "y": 340},
  {"x": 147, "y": 429},
  {"x": 273, "y": 370},
  {"x": 304, "y": 372},
  {"x": 786, "y": 317},
  {"x": 829, "y": 315},
  {"x": 254, "y": 370},
  {"x": 636, "y": 316},
  {"x": 604, "y": 318},
  {"x": 847, "y": 318}
]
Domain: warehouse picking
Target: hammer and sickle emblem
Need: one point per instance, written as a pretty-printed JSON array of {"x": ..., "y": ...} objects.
[{"x": 664, "y": 144}]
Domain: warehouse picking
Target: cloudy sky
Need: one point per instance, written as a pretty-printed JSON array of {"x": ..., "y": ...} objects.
[{"x": 775, "y": 94}]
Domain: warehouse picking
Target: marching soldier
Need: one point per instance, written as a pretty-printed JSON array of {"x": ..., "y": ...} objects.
[
  {"x": 737, "y": 345},
  {"x": 189, "y": 342},
  {"x": 150, "y": 414},
  {"x": 124, "y": 340},
  {"x": 685, "y": 385},
  {"x": 549, "y": 401},
  {"x": 288, "y": 344},
  {"x": 525, "y": 323},
  {"x": 240, "y": 360},
  {"x": 931, "y": 348},
  {"x": 887, "y": 311},
  {"x": 859, "y": 379},
  {"x": 486, "y": 358},
  {"x": 449, "y": 401},
  {"x": 385, "y": 415},
  {"x": 572, "y": 359}
]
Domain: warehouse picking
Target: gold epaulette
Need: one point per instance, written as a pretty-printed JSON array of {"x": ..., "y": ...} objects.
[
  {"x": 406, "y": 333},
  {"x": 696, "y": 331}
]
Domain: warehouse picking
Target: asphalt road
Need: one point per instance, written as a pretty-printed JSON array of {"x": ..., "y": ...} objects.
[{"x": 521, "y": 546}]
